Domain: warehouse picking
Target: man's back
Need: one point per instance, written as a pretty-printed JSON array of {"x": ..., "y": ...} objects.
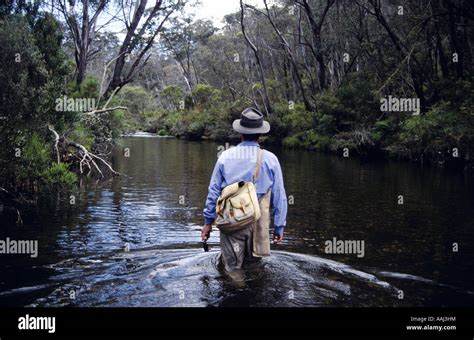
[{"x": 238, "y": 164}]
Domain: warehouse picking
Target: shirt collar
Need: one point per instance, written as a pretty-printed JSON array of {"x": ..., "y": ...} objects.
[{"x": 248, "y": 143}]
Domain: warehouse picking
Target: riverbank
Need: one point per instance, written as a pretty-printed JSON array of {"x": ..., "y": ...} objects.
[
  {"x": 348, "y": 122},
  {"x": 381, "y": 142},
  {"x": 332, "y": 147}
]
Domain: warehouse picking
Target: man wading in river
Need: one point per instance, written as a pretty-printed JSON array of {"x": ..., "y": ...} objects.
[{"x": 246, "y": 180}]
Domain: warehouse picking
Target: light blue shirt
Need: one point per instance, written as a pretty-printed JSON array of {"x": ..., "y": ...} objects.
[{"x": 238, "y": 164}]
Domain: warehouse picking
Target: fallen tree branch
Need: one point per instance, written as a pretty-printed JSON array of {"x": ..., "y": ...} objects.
[
  {"x": 56, "y": 142},
  {"x": 90, "y": 156},
  {"x": 105, "y": 110},
  {"x": 84, "y": 156}
]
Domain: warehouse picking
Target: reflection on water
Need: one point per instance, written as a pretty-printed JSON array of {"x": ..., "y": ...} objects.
[
  {"x": 187, "y": 277},
  {"x": 155, "y": 211}
]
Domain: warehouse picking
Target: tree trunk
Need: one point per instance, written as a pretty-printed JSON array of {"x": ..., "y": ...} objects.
[{"x": 268, "y": 107}]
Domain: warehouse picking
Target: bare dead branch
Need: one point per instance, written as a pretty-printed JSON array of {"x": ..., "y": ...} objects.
[
  {"x": 56, "y": 142},
  {"x": 86, "y": 157}
]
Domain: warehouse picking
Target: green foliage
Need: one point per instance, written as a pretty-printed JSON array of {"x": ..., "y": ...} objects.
[
  {"x": 162, "y": 121},
  {"x": 137, "y": 100},
  {"x": 308, "y": 140},
  {"x": 352, "y": 103},
  {"x": 358, "y": 140},
  {"x": 326, "y": 123},
  {"x": 278, "y": 129},
  {"x": 27, "y": 88},
  {"x": 298, "y": 119},
  {"x": 342, "y": 110},
  {"x": 237, "y": 106},
  {"x": 330, "y": 104},
  {"x": 381, "y": 130},
  {"x": 48, "y": 37},
  {"x": 89, "y": 88},
  {"x": 205, "y": 96},
  {"x": 32, "y": 71},
  {"x": 33, "y": 159},
  {"x": 172, "y": 95},
  {"x": 292, "y": 141},
  {"x": 35, "y": 166},
  {"x": 82, "y": 135},
  {"x": 58, "y": 174},
  {"x": 118, "y": 122},
  {"x": 434, "y": 134},
  {"x": 193, "y": 124},
  {"x": 221, "y": 126},
  {"x": 275, "y": 89}
]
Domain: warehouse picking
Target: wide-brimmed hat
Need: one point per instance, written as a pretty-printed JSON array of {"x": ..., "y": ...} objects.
[{"x": 251, "y": 122}]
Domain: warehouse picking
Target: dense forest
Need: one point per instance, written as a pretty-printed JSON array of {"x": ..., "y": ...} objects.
[{"x": 365, "y": 78}]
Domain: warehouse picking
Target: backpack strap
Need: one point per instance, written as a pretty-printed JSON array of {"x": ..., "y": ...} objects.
[{"x": 257, "y": 167}]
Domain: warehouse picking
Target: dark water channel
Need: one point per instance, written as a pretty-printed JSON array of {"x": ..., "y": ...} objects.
[{"x": 134, "y": 240}]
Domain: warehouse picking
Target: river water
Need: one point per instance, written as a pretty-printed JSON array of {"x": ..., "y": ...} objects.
[{"x": 134, "y": 240}]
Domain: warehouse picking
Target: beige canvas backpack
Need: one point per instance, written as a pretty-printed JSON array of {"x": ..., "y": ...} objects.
[{"x": 238, "y": 205}]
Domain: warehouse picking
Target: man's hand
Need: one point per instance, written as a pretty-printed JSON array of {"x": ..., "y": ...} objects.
[
  {"x": 206, "y": 232},
  {"x": 277, "y": 238}
]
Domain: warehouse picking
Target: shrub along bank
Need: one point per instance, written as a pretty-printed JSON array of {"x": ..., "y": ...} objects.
[{"x": 349, "y": 118}]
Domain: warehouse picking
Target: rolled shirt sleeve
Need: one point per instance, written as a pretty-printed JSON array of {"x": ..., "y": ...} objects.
[{"x": 213, "y": 194}]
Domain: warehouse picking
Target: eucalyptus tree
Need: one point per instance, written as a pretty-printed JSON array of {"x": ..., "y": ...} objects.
[
  {"x": 81, "y": 18},
  {"x": 181, "y": 38}
]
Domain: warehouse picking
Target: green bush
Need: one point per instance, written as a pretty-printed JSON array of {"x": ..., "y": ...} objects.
[
  {"x": 330, "y": 104},
  {"x": 82, "y": 135},
  {"x": 58, "y": 174},
  {"x": 351, "y": 104},
  {"x": 308, "y": 140},
  {"x": 298, "y": 119},
  {"x": 380, "y": 130},
  {"x": 205, "y": 96},
  {"x": 30, "y": 87},
  {"x": 163, "y": 121},
  {"x": 172, "y": 96},
  {"x": 89, "y": 88},
  {"x": 163, "y": 132},
  {"x": 292, "y": 142},
  {"x": 34, "y": 158},
  {"x": 35, "y": 165},
  {"x": 119, "y": 122},
  {"x": 221, "y": 128},
  {"x": 434, "y": 134},
  {"x": 358, "y": 140},
  {"x": 138, "y": 101},
  {"x": 193, "y": 124},
  {"x": 278, "y": 130}
]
